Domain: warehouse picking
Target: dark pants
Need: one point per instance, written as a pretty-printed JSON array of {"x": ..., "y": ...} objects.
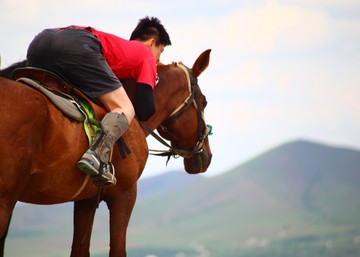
[{"x": 76, "y": 55}]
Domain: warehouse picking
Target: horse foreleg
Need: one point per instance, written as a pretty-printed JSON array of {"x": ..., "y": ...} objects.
[
  {"x": 84, "y": 212},
  {"x": 6, "y": 209},
  {"x": 120, "y": 208},
  {"x": 3, "y": 238}
]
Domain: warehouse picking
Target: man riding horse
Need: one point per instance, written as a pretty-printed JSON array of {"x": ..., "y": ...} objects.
[{"x": 94, "y": 62}]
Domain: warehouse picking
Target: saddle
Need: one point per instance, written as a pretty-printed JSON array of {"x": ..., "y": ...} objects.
[
  {"x": 58, "y": 90},
  {"x": 71, "y": 101}
]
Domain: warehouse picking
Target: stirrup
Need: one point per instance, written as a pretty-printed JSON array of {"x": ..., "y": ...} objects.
[{"x": 106, "y": 178}]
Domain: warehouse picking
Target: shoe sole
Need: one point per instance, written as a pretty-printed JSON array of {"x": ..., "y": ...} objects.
[
  {"x": 98, "y": 180},
  {"x": 87, "y": 168}
]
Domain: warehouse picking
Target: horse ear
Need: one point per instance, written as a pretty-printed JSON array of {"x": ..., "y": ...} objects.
[{"x": 201, "y": 63}]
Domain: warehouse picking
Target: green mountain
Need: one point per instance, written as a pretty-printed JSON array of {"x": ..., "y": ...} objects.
[
  {"x": 299, "y": 190},
  {"x": 298, "y": 199}
]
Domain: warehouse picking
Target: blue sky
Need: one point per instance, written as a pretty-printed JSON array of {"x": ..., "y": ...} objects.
[{"x": 279, "y": 70}]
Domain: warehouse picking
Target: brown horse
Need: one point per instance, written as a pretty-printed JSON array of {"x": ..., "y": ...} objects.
[{"x": 39, "y": 149}]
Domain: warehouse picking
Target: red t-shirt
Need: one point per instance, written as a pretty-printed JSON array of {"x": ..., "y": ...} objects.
[{"x": 128, "y": 59}]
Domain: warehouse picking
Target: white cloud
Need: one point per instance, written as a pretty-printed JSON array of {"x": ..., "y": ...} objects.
[
  {"x": 344, "y": 4},
  {"x": 18, "y": 11},
  {"x": 275, "y": 28}
]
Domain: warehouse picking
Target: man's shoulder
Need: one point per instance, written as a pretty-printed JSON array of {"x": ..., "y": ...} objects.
[{"x": 139, "y": 49}]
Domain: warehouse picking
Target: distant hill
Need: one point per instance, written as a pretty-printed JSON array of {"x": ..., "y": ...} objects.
[
  {"x": 298, "y": 199},
  {"x": 295, "y": 189},
  {"x": 317, "y": 178}
]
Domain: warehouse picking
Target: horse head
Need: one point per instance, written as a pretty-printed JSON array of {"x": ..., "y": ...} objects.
[{"x": 185, "y": 126}]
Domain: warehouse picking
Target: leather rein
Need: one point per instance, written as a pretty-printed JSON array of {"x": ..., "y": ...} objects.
[{"x": 203, "y": 130}]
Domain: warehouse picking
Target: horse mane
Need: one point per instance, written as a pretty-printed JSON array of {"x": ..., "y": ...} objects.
[
  {"x": 163, "y": 67},
  {"x": 7, "y": 72}
]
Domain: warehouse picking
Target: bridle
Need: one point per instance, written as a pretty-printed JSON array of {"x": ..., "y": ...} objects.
[{"x": 204, "y": 130}]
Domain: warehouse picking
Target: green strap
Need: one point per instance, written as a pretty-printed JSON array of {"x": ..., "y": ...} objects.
[{"x": 90, "y": 122}]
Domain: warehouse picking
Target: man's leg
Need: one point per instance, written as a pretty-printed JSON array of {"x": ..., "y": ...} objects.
[{"x": 95, "y": 161}]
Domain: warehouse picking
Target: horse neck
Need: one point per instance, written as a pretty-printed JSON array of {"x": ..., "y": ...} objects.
[{"x": 169, "y": 94}]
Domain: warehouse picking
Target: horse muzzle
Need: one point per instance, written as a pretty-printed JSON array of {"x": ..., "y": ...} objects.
[{"x": 199, "y": 162}]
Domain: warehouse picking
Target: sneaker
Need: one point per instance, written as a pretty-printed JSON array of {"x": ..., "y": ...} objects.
[{"x": 91, "y": 165}]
